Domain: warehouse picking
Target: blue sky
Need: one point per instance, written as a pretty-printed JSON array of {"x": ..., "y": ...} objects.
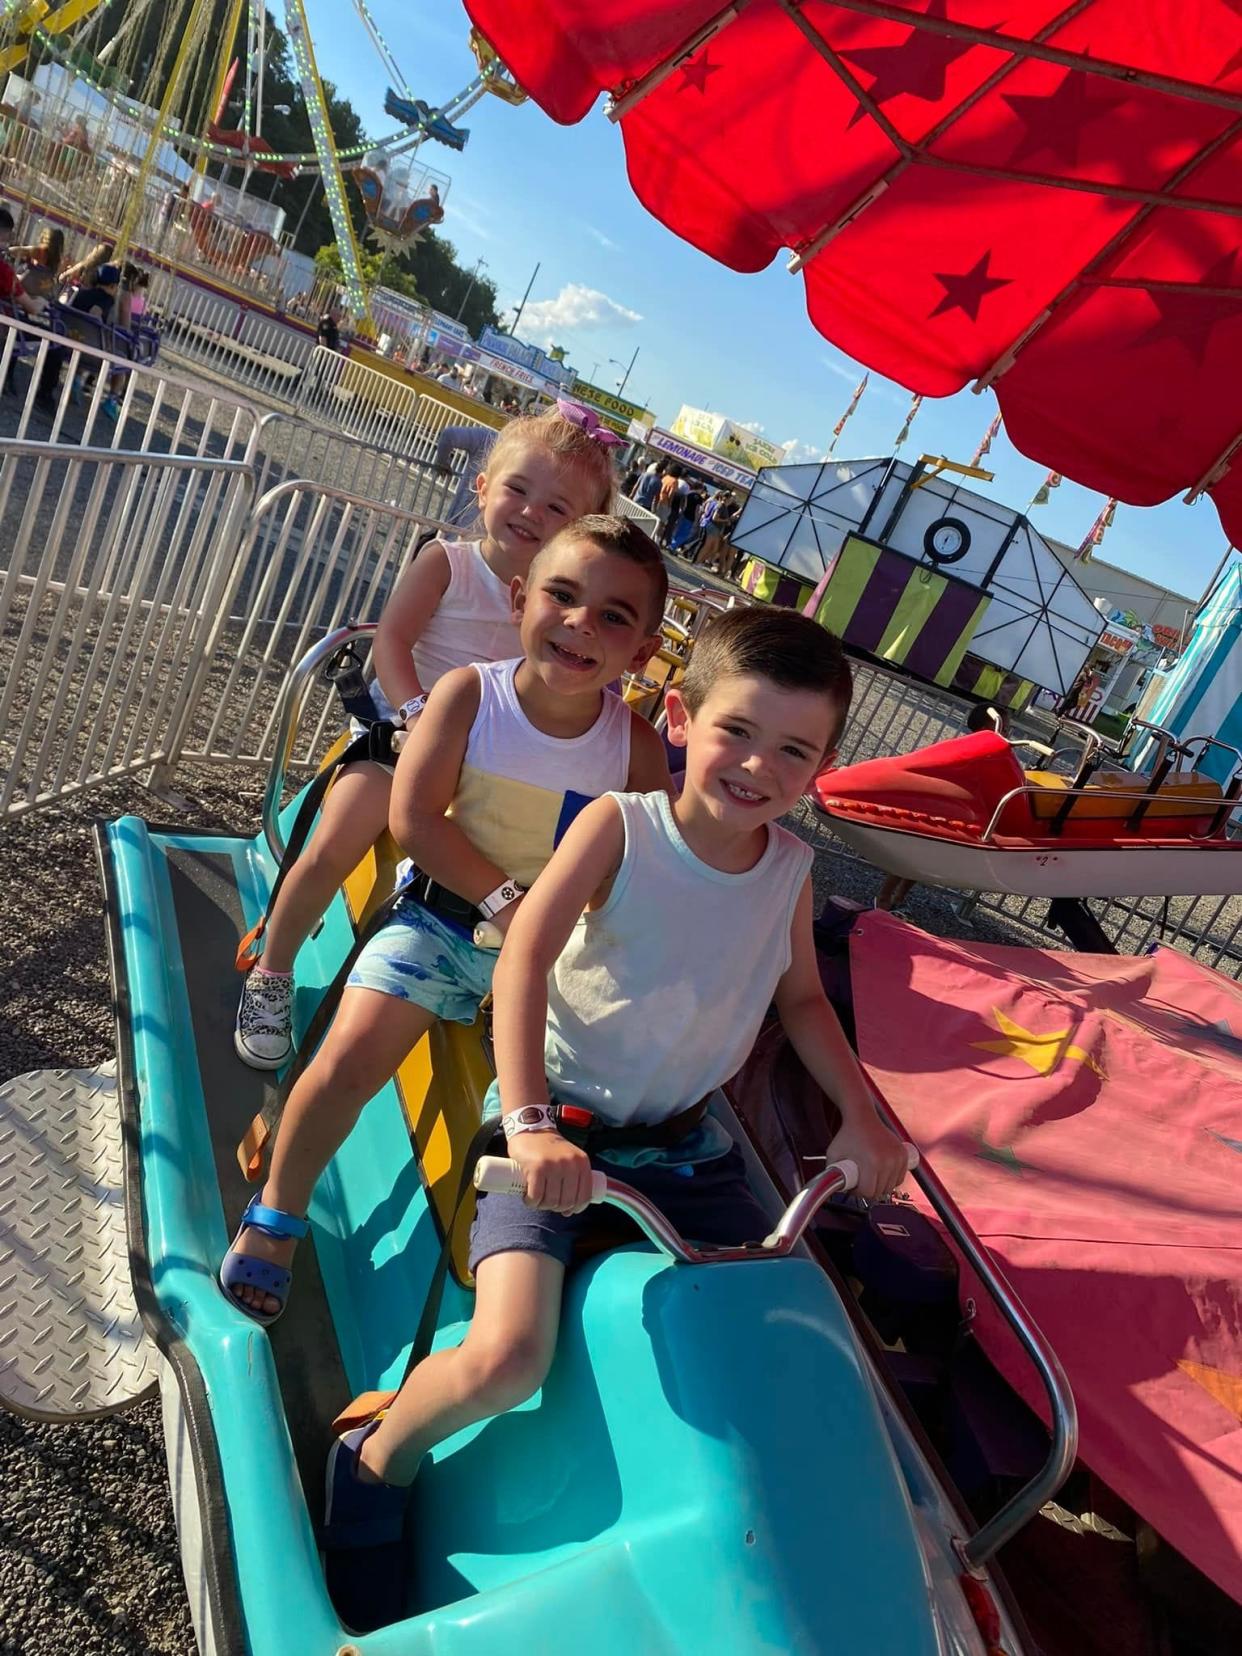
[{"x": 611, "y": 278}]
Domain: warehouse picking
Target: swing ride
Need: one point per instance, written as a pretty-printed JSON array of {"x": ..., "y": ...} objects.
[{"x": 146, "y": 132}]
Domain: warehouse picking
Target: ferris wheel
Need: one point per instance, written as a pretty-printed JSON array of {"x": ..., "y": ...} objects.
[{"x": 181, "y": 93}]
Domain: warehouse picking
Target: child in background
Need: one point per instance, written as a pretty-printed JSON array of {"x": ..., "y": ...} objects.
[
  {"x": 504, "y": 756},
  {"x": 451, "y": 607},
  {"x": 633, "y": 981}
]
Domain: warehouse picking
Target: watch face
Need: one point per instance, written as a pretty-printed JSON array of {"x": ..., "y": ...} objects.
[{"x": 946, "y": 540}]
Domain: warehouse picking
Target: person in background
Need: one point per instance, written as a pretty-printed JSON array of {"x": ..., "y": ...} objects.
[
  {"x": 715, "y": 552},
  {"x": 11, "y": 288},
  {"x": 95, "y": 301},
  {"x": 448, "y": 377},
  {"x": 666, "y": 508},
  {"x": 84, "y": 272},
  {"x": 476, "y": 443},
  {"x": 131, "y": 304},
  {"x": 43, "y": 259},
  {"x": 328, "y": 329},
  {"x": 648, "y": 487}
]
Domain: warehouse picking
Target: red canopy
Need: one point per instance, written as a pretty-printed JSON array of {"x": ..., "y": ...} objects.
[{"x": 1039, "y": 195}]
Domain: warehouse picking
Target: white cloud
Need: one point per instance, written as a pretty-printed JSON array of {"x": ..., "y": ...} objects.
[
  {"x": 798, "y": 453},
  {"x": 756, "y": 427},
  {"x": 843, "y": 370},
  {"x": 575, "y": 306},
  {"x": 606, "y": 242}
]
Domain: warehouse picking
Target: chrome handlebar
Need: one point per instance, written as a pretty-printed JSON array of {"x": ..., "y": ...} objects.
[
  {"x": 292, "y": 705},
  {"x": 497, "y": 1173}
]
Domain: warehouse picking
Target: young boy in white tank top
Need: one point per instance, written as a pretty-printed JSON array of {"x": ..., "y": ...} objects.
[
  {"x": 633, "y": 982},
  {"x": 503, "y": 758}
]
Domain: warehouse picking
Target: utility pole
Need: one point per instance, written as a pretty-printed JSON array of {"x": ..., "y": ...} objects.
[
  {"x": 517, "y": 315},
  {"x": 626, "y": 378},
  {"x": 474, "y": 276}
]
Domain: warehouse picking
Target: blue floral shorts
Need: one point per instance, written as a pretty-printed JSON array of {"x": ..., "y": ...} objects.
[{"x": 421, "y": 958}]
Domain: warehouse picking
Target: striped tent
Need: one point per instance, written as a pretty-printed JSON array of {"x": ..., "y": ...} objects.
[{"x": 1202, "y": 696}]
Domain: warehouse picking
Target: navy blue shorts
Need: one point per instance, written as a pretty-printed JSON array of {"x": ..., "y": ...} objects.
[{"x": 706, "y": 1201}]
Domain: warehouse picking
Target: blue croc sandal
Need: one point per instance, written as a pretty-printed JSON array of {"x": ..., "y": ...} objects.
[{"x": 244, "y": 1271}]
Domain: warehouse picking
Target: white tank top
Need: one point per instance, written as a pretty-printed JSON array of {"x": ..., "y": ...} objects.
[
  {"x": 519, "y": 789},
  {"x": 472, "y": 622},
  {"x": 659, "y": 994}
]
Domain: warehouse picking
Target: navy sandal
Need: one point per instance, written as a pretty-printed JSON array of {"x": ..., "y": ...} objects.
[
  {"x": 245, "y": 1271},
  {"x": 363, "y": 1548}
]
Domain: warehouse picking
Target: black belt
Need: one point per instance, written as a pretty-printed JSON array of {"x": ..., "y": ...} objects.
[{"x": 440, "y": 900}]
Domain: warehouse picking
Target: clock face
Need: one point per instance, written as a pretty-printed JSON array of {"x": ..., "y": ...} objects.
[{"x": 946, "y": 540}]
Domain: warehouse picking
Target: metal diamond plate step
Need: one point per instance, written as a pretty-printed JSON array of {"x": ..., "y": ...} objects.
[{"x": 71, "y": 1341}]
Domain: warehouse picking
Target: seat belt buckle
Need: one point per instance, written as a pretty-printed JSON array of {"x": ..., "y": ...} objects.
[{"x": 572, "y": 1116}]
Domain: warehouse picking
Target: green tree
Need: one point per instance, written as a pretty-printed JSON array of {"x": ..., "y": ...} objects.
[
  {"x": 443, "y": 283},
  {"x": 378, "y": 270}
]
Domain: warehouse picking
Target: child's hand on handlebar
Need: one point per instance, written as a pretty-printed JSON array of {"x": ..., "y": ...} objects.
[
  {"x": 879, "y": 1154},
  {"x": 558, "y": 1174}
]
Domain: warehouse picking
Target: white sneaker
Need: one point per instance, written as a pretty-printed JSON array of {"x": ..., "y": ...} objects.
[{"x": 263, "y": 1035}]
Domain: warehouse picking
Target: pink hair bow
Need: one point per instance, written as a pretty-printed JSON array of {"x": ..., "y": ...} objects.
[{"x": 587, "y": 420}]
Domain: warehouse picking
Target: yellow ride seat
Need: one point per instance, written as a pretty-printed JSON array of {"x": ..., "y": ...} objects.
[{"x": 1184, "y": 794}]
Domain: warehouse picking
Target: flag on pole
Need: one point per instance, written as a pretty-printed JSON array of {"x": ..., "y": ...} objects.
[
  {"x": 854, "y": 402},
  {"x": 910, "y": 413},
  {"x": 1097, "y": 531},
  {"x": 1052, "y": 481},
  {"x": 988, "y": 439}
]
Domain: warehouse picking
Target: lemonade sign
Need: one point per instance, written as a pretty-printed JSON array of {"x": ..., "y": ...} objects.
[{"x": 722, "y": 436}]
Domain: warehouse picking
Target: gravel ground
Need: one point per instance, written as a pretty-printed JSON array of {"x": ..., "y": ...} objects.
[{"x": 88, "y": 1551}]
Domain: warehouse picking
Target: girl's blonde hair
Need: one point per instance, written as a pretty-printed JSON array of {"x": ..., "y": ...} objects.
[{"x": 565, "y": 442}]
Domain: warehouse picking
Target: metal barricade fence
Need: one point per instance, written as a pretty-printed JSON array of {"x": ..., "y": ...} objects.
[
  {"x": 891, "y": 714},
  {"x": 66, "y": 396},
  {"x": 631, "y": 509},
  {"x": 294, "y": 450},
  {"x": 209, "y": 331},
  {"x": 374, "y": 407},
  {"x": 111, "y": 586},
  {"x": 311, "y": 558}
]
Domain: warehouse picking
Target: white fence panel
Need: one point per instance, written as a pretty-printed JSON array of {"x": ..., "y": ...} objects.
[
  {"x": 374, "y": 407},
  {"x": 295, "y": 450},
  {"x": 218, "y": 334},
  {"x": 115, "y": 570},
  {"x": 312, "y": 558},
  {"x": 64, "y": 396}
]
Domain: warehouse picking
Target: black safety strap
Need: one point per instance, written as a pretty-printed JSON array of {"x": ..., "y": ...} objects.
[{"x": 374, "y": 743}]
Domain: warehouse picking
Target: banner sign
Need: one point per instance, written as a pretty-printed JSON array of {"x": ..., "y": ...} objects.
[
  {"x": 739, "y": 476},
  {"x": 725, "y": 438},
  {"x": 509, "y": 370},
  {"x": 606, "y": 402},
  {"x": 526, "y": 356}
]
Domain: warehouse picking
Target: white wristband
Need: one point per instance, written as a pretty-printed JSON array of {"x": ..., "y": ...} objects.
[
  {"x": 408, "y": 709},
  {"x": 531, "y": 1118},
  {"x": 490, "y": 906}
]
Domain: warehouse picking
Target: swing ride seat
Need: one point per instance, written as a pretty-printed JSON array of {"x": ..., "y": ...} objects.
[
  {"x": 964, "y": 814},
  {"x": 659, "y": 1492}
]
